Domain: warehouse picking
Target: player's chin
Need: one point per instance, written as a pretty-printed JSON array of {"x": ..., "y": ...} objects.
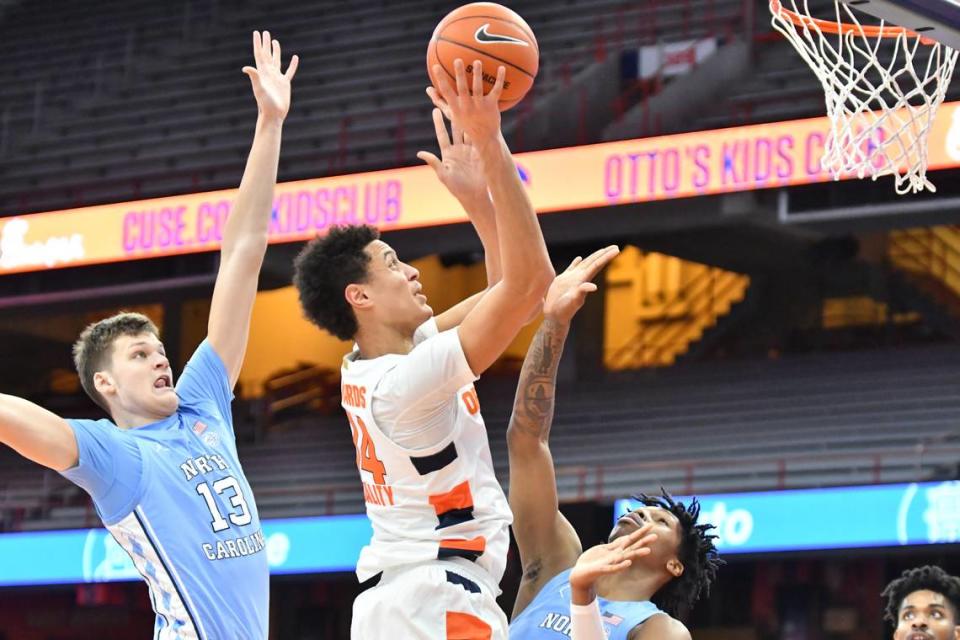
[
  {"x": 169, "y": 404},
  {"x": 620, "y": 530}
]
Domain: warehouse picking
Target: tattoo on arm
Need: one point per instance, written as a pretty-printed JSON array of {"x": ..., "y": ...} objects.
[{"x": 533, "y": 405}]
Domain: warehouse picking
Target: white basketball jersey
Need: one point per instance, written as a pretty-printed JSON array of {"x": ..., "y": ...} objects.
[{"x": 425, "y": 504}]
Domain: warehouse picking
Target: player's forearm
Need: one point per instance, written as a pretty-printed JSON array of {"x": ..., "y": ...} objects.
[
  {"x": 249, "y": 221},
  {"x": 36, "y": 433},
  {"x": 524, "y": 261},
  {"x": 483, "y": 217},
  {"x": 534, "y": 403}
]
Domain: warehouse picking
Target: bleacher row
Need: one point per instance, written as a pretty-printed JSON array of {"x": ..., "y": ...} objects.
[
  {"x": 155, "y": 104},
  {"x": 822, "y": 420}
]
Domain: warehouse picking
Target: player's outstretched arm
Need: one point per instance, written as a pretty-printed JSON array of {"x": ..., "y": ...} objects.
[
  {"x": 459, "y": 169},
  {"x": 547, "y": 542},
  {"x": 245, "y": 234},
  {"x": 37, "y": 434},
  {"x": 526, "y": 270}
]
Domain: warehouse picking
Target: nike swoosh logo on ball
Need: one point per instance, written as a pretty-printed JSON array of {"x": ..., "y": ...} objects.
[{"x": 483, "y": 35}]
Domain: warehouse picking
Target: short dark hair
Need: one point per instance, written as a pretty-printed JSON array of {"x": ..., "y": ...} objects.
[
  {"x": 324, "y": 269},
  {"x": 92, "y": 350},
  {"x": 697, "y": 552},
  {"x": 926, "y": 578}
]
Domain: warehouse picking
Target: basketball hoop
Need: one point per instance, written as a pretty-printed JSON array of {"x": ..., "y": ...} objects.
[{"x": 883, "y": 85}]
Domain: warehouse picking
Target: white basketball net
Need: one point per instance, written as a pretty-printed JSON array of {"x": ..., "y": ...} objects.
[{"x": 883, "y": 87}]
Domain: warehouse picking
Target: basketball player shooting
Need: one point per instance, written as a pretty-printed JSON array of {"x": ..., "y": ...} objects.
[
  {"x": 440, "y": 518},
  {"x": 163, "y": 472},
  {"x": 657, "y": 550}
]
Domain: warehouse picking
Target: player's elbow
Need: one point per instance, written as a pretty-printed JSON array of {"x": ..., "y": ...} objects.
[
  {"x": 533, "y": 288},
  {"x": 525, "y": 439},
  {"x": 249, "y": 251}
]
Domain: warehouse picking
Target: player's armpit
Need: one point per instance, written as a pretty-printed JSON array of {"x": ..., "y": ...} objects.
[
  {"x": 660, "y": 627},
  {"x": 559, "y": 551},
  {"x": 37, "y": 434}
]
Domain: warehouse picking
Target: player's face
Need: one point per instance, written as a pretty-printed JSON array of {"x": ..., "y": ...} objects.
[
  {"x": 394, "y": 288},
  {"x": 665, "y": 525},
  {"x": 140, "y": 381},
  {"x": 926, "y": 615}
]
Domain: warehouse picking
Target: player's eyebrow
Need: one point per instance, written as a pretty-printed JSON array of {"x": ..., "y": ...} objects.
[
  {"x": 389, "y": 252},
  {"x": 145, "y": 343}
]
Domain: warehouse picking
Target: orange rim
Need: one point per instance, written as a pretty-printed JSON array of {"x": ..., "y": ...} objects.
[{"x": 828, "y": 26}]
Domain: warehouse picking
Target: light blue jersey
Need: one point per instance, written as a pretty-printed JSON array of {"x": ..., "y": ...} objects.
[
  {"x": 174, "y": 496},
  {"x": 548, "y": 616}
]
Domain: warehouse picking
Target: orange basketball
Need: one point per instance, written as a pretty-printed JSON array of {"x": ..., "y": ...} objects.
[{"x": 494, "y": 35}]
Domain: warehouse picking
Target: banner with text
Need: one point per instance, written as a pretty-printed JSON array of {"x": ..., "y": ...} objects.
[
  {"x": 836, "y": 518},
  {"x": 631, "y": 171}
]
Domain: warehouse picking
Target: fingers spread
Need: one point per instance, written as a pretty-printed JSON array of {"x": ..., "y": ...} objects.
[
  {"x": 257, "y": 48},
  {"x": 598, "y": 260},
  {"x": 460, "y": 74},
  {"x": 440, "y": 128},
  {"x": 432, "y": 160},
  {"x": 292, "y": 69},
  {"x": 573, "y": 264},
  {"x": 443, "y": 84},
  {"x": 619, "y": 566},
  {"x": 498, "y": 85},
  {"x": 634, "y": 536},
  {"x": 477, "y": 79}
]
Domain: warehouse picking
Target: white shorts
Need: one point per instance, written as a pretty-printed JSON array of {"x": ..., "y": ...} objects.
[{"x": 440, "y": 600}]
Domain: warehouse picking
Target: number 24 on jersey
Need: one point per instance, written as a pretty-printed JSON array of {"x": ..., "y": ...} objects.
[{"x": 367, "y": 459}]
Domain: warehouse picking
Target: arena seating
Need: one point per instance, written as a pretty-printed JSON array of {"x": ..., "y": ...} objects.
[
  {"x": 156, "y": 105},
  {"x": 833, "y": 420},
  {"x": 818, "y": 420},
  {"x": 779, "y": 85}
]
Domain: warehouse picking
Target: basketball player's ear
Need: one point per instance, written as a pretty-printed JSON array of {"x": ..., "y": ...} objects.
[
  {"x": 104, "y": 383},
  {"x": 675, "y": 567},
  {"x": 356, "y": 295}
]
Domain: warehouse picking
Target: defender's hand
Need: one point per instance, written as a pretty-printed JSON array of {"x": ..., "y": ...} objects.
[
  {"x": 271, "y": 87},
  {"x": 569, "y": 289}
]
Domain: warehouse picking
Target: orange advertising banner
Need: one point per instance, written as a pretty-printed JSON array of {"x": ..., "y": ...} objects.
[{"x": 630, "y": 171}]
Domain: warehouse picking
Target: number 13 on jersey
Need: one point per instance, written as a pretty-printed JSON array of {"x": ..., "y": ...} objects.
[{"x": 367, "y": 459}]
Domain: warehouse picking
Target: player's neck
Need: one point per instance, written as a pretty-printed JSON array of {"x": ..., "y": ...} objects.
[
  {"x": 128, "y": 420},
  {"x": 383, "y": 340},
  {"x": 629, "y": 586}
]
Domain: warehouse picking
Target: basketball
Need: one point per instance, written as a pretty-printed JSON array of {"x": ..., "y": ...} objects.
[{"x": 496, "y": 36}]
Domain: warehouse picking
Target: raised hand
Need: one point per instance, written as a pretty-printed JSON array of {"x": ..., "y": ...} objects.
[
  {"x": 458, "y": 167},
  {"x": 476, "y": 114},
  {"x": 569, "y": 289},
  {"x": 271, "y": 87},
  {"x": 610, "y": 558}
]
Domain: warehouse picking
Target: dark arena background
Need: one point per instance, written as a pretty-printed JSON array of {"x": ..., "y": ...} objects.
[{"x": 785, "y": 346}]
